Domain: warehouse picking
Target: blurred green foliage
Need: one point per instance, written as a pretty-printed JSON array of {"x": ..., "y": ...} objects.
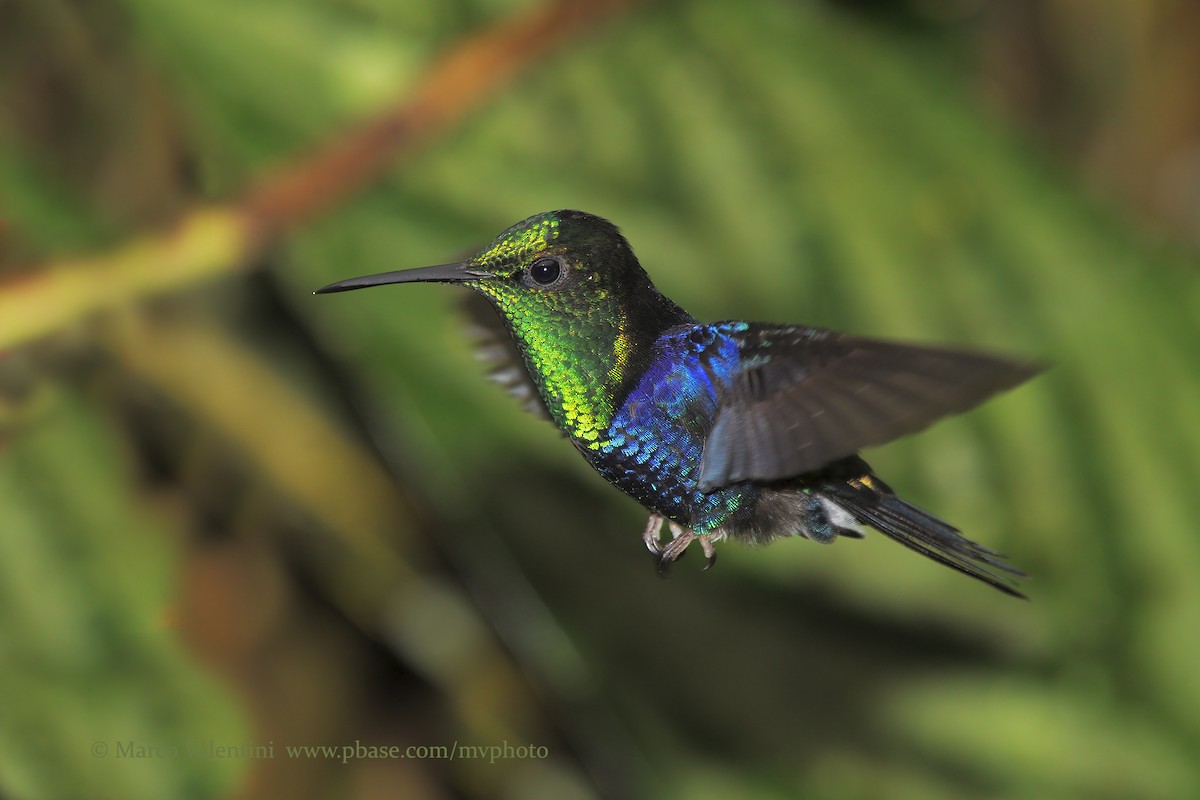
[
  {"x": 767, "y": 160},
  {"x": 88, "y": 663}
]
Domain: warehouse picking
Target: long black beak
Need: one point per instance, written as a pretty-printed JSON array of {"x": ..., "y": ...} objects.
[{"x": 443, "y": 273}]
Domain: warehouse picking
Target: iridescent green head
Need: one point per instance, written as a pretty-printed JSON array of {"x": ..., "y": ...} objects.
[
  {"x": 579, "y": 305},
  {"x": 557, "y": 263}
]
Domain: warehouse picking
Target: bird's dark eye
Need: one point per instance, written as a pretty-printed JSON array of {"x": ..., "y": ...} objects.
[{"x": 545, "y": 271}]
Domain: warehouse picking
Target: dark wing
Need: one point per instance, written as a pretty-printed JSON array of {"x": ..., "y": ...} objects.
[
  {"x": 495, "y": 347},
  {"x": 808, "y": 396}
]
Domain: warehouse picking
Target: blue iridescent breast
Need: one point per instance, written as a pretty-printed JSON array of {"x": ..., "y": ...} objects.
[{"x": 652, "y": 448}]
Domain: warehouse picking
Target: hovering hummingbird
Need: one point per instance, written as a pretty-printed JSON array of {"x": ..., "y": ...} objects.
[{"x": 729, "y": 430}]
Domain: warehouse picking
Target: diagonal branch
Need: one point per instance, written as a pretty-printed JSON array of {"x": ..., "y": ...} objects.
[
  {"x": 217, "y": 240},
  {"x": 458, "y": 83}
]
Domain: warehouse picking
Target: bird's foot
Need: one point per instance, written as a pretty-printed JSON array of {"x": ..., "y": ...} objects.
[
  {"x": 653, "y": 530},
  {"x": 681, "y": 538}
]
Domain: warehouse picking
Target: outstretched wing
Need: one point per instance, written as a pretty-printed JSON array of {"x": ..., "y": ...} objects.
[{"x": 808, "y": 396}]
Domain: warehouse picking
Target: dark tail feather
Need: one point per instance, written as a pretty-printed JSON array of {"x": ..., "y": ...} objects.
[{"x": 871, "y": 502}]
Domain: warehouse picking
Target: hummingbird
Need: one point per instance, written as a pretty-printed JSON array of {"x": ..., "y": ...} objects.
[{"x": 730, "y": 430}]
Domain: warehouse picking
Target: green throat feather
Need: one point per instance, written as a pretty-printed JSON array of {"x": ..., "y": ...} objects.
[
  {"x": 574, "y": 358},
  {"x": 584, "y": 341}
]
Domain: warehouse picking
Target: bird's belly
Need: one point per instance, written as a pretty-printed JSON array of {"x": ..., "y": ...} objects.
[{"x": 660, "y": 468}]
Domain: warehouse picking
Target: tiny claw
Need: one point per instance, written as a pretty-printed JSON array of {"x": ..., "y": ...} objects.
[
  {"x": 677, "y": 546},
  {"x": 651, "y": 533},
  {"x": 710, "y": 552}
]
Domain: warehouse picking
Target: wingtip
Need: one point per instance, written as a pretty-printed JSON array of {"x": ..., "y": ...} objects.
[{"x": 1027, "y": 369}]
